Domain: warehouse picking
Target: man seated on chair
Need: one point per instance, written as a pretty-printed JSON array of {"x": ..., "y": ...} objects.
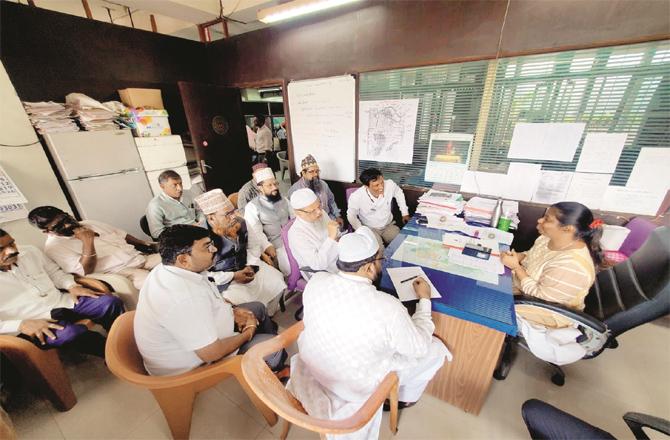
[
  {"x": 173, "y": 206},
  {"x": 355, "y": 335},
  {"x": 32, "y": 306},
  {"x": 313, "y": 236},
  {"x": 265, "y": 215},
  {"x": 370, "y": 205},
  {"x": 90, "y": 246},
  {"x": 310, "y": 179},
  {"x": 239, "y": 273},
  {"x": 183, "y": 321},
  {"x": 249, "y": 190}
]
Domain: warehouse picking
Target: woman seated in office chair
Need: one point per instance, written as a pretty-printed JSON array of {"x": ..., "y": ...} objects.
[{"x": 560, "y": 268}]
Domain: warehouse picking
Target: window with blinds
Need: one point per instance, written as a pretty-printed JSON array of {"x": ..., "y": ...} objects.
[{"x": 620, "y": 89}]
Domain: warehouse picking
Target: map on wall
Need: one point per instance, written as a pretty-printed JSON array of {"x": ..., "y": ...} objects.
[{"x": 386, "y": 130}]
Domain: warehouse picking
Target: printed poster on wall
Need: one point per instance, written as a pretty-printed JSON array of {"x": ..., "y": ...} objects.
[{"x": 448, "y": 157}]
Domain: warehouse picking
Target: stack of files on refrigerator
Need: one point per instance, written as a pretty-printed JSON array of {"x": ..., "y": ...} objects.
[
  {"x": 440, "y": 203},
  {"x": 91, "y": 114},
  {"x": 480, "y": 210},
  {"x": 50, "y": 117}
]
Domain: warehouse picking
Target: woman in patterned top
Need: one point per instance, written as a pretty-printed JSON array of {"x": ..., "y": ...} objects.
[{"x": 561, "y": 265}]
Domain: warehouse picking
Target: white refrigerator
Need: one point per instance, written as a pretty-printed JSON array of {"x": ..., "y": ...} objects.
[
  {"x": 104, "y": 175},
  {"x": 162, "y": 153}
]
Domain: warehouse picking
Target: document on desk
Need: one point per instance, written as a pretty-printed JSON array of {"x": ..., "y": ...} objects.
[{"x": 405, "y": 290}]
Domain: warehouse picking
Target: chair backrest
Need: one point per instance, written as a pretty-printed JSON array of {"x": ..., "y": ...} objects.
[
  {"x": 635, "y": 291},
  {"x": 121, "y": 353},
  {"x": 295, "y": 275},
  {"x": 144, "y": 225},
  {"x": 233, "y": 198},
  {"x": 349, "y": 191},
  {"x": 640, "y": 230},
  {"x": 282, "y": 156}
]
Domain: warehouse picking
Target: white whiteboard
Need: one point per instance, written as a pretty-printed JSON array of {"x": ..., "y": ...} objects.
[{"x": 323, "y": 124}]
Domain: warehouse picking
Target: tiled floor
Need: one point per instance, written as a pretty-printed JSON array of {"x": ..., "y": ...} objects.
[{"x": 630, "y": 378}]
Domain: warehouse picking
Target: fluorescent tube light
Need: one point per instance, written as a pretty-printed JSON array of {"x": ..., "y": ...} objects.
[{"x": 297, "y": 8}]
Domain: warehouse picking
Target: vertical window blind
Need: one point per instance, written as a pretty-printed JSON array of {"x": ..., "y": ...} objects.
[{"x": 619, "y": 89}]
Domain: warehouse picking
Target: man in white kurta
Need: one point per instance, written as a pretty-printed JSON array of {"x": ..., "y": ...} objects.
[
  {"x": 370, "y": 205},
  {"x": 265, "y": 216},
  {"x": 355, "y": 335},
  {"x": 235, "y": 258},
  {"x": 313, "y": 236}
]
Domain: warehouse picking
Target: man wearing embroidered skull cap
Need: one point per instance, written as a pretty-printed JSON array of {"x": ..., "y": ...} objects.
[
  {"x": 238, "y": 270},
  {"x": 265, "y": 215},
  {"x": 313, "y": 237},
  {"x": 310, "y": 172},
  {"x": 365, "y": 333}
]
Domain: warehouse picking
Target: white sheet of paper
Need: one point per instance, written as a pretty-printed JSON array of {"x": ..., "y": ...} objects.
[
  {"x": 522, "y": 179},
  {"x": 588, "y": 189},
  {"x": 632, "y": 200},
  {"x": 386, "y": 130},
  {"x": 651, "y": 170},
  {"x": 600, "y": 152},
  {"x": 545, "y": 141},
  {"x": 405, "y": 290},
  {"x": 553, "y": 187},
  {"x": 490, "y": 184},
  {"x": 10, "y": 194}
]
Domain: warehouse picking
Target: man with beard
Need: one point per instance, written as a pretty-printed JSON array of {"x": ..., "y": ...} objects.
[
  {"x": 183, "y": 321},
  {"x": 238, "y": 272},
  {"x": 91, "y": 246},
  {"x": 355, "y": 335},
  {"x": 30, "y": 297},
  {"x": 313, "y": 237},
  {"x": 249, "y": 190},
  {"x": 310, "y": 179},
  {"x": 265, "y": 215}
]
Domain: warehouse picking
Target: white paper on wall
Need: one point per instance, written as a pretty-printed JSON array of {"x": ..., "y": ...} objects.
[
  {"x": 448, "y": 157},
  {"x": 490, "y": 184},
  {"x": 386, "y": 130},
  {"x": 522, "y": 180},
  {"x": 632, "y": 200},
  {"x": 651, "y": 171},
  {"x": 16, "y": 211},
  {"x": 552, "y": 187},
  {"x": 600, "y": 152},
  {"x": 9, "y": 192},
  {"x": 588, "y": 189},
  {"x": 545, "y": 141}
]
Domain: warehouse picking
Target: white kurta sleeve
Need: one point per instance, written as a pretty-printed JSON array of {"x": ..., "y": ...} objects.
[
  {"x": 257, "y": 237},
  {"x": 10, "y": 327},
  {"x": 221, "y": 277},
  {"x": 67, "y": 259},
  {"x": 400, "y": 198},
  {"x": 60, "y": 279},
  {"x": 353, "y": 210},
  {"x": 411, "y": 337}
]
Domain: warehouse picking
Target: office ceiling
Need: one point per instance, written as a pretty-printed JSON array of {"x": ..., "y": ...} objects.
[{"x": 173, "y": 17}]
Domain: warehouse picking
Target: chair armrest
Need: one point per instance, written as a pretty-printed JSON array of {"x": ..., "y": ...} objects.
[
  {"x": 637, "y": 421},
  {"x": 122, "y": 287},
  {"x": 574, "y": 315}
]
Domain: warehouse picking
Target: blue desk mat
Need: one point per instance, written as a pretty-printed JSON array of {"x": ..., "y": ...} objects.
[{"x": 476, "y": 301}]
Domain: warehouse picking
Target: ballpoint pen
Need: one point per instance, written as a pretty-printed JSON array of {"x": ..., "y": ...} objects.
[{"x": 410, "y": 279}]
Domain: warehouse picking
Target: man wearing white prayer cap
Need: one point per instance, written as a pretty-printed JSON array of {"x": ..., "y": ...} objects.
[
  {"x": 265, "y": 215},
  {"x": 355, "y": 335},
  {"x": 313, "y": 237},
  {"x": 236, "y": 257}
]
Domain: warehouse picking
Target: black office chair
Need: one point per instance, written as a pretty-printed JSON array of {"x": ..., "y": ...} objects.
[
  {"x": 144, "y": 225},
  {"x": 545, "y": 421},
  {"x": 629, "y": 294}
]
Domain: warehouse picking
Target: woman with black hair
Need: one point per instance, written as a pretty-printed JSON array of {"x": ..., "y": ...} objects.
[{"x": 561, "y": 265}]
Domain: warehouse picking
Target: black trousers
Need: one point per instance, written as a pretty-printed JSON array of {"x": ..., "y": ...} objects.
[{"x": 267, "y": 329}]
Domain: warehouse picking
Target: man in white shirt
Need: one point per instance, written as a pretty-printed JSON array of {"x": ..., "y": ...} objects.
[
  {"x": 310, "y": 173},
  {"x": 173, "y": 206},
  {"x": 263, "y": 140},
  {"x": 182, "y": 320},
  {"x": 265, "y": 216},
  {"x": 370, "y": 205},
  {"x": 355, "y": 335},
  {"x": 313, "y": 236},
  {"x": 91, "y": 246},
  {"x": 30, "y": 298},
  {"x": 238, "y": 271}
]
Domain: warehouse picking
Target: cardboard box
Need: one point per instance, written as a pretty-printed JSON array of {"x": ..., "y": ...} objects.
[
  {"x": 149, "y": 123},
  {"x": 142, "y": 98}
]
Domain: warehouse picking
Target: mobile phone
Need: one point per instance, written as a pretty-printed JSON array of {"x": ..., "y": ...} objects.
[{"x": 254, "y": 267}]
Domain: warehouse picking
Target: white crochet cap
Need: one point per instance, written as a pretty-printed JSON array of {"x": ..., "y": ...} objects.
[
  {"x": 358, "y": 245},
  {"x": 263, "y": 174},
  {"x": 303, "y": 198},
  {"x": 213, "y": 201}
]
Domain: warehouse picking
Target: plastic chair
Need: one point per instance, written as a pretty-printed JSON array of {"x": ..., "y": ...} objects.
[
  {"x": 271, "y": 391},
  {"x": 174, "y": 394},
  {"x": 144, "y": 226},
  {"x": 624, "y": 296},
  {"x": 295, "y": 282},
  {"x": 640, "y": 229},
  {"x": 233, "y": 199},
  {"x": 283, "y": 163}
]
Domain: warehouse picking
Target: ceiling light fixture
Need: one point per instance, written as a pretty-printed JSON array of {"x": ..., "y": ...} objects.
[{"x": 297, "y": 8}]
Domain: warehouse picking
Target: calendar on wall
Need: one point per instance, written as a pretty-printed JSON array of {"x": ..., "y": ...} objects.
[{"x": 12, "y": 200}]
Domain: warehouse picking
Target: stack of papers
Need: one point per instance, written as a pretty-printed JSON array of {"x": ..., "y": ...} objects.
[
  {"x": 50, "y": 117},
  {"x": 91, "y": 114},
  {"x": 440, "y": 203},
  {"x": 480, "y": 210}
]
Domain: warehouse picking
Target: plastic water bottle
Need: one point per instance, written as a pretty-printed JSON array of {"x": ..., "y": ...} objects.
[
  {"x": 497, "y": 212},
  {"x": 505, "y": 221}
]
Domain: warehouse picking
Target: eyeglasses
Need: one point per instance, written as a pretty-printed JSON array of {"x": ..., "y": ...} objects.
[
  {"x": 311, "y": 211},
  {"x": 313, "y": 171}
]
